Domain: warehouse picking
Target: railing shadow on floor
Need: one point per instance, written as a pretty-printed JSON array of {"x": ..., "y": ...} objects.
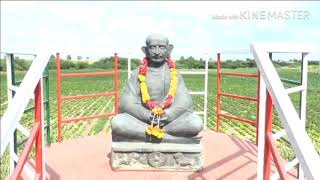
[
  {"x": 52, "y": 173},
  {"x": 244, "y": 148}
]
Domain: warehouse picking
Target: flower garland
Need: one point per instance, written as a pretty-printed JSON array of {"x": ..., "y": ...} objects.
[{"x": 157, "y": 109}]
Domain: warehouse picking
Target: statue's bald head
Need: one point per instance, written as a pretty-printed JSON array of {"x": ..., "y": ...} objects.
[
  {"x": 157, "y": 37},
  {"x": 157, "y": 48}
]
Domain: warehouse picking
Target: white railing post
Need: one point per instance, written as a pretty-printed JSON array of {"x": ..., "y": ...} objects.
[
  {"x": 261, "y": 128},
  {"x": 205, "y": 116},
  {"x": 303, "y": 98},
  {"x": 299, "y": 139},
  {"x": 42, "y": 133},
  {"x": 304, "y": 84},
  {"x": 201, "y": 93}
]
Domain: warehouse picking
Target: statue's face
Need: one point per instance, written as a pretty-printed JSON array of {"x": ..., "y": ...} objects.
[{"x": 156, "y": 50}]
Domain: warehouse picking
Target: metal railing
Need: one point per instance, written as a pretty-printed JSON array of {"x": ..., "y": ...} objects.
[
  {"x": 273, "y": 92},
  {"x": 203, "y": 93},
  {"x": 302, "y": 89},
  {"x": 36, "y": 136},
  {"x": 114, "y": 93},
  {"x": 31, "y": 84},
  {"x": 12, "y": 87},
  {"x": 235, "y": 96}
]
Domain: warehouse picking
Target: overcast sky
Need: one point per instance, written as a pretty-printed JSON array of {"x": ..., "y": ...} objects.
[{"x": 97, "y": 29}]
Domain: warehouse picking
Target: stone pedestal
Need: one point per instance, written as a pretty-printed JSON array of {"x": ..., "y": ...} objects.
[{"x": 152, "y": 156}]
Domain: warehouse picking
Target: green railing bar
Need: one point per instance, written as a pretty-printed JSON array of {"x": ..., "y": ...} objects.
[
  {"x": 32, "y": 107},
  {"x": 47, "y": 106},
  {"x": 20, "y": 81},
  {"x": 17, "y": 83},
  {"x": 290, "y": 81},
  {"x": 12, "y": 70},
  {"x": 25, "y": 139}
]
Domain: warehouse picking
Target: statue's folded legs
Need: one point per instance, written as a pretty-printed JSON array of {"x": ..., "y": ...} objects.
[{"x": 184, "y": 129}]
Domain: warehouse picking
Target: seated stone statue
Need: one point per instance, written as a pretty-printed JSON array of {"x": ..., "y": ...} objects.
[{"x": 156, "y": 100}]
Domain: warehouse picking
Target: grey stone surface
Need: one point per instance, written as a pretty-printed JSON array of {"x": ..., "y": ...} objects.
[
  {"x": 152, "y": 147},
  {"x": 131, "y": 156}
]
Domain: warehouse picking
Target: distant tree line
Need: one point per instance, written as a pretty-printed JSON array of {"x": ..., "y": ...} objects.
[
  {"x": 182, "y": 63},
  {"x": 19, "y": 64}
]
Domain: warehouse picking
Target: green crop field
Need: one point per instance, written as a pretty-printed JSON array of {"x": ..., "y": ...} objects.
[{"x": 237, "y": 85}]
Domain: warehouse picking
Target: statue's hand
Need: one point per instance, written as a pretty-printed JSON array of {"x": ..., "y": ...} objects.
[{"x": 163, "y": 120}]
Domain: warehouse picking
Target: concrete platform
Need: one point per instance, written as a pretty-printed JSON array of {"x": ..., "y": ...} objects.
[{"x": 225, "y": 157}]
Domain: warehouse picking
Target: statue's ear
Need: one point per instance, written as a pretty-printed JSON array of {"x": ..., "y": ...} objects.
[
  {"x": 144, "y": 50},
  {"x": 169, "y": 50}
]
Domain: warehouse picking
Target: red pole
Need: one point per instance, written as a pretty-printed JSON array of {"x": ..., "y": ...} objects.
[
  {"x": 276, "y": 157},
  {"x": 258, "y": 106},
  {"x": 87, "y": 74},
  {"x": 37, "y": 117},
  {"x": 115, "y": 83},
  {"x": 218, "y": 94},
  {"x": 59, "y": 96},
  {"x": 268, "y": 129},
  {"x": 24, "y": 155}
]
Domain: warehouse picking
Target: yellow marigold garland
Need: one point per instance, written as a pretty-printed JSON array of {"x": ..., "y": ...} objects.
[
  {"x": 157, "y": 110},
  {"x": 155, "y": 131}
]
